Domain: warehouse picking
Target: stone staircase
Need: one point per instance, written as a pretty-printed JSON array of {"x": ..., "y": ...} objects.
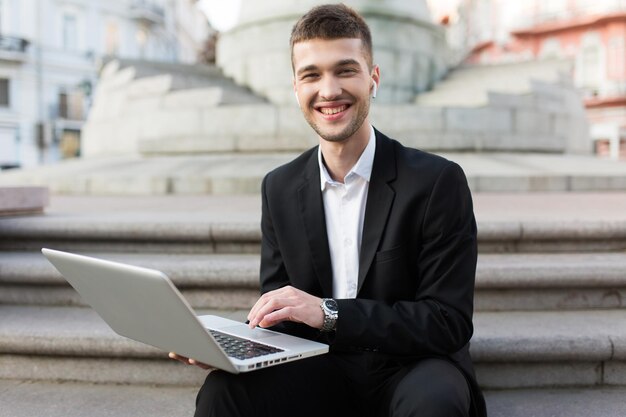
[
  {"x": 549, "y": 301},
  {"x": 470, "y": 85}
]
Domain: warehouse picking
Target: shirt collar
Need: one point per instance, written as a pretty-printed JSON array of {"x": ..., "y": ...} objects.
[{"x": 362, "y": 168}]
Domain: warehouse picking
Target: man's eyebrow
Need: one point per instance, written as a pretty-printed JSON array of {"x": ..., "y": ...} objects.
[
  {"x": 342, "y": 63},
  {"x": 345, "y": 62},
  {"x": 307, "y": 68}
]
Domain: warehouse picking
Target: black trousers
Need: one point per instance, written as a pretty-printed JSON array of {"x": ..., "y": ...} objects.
[{"x": 339, "y": 384}]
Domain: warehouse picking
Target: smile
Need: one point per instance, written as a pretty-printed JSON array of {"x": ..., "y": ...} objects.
[{"x": 333, "y": 110}]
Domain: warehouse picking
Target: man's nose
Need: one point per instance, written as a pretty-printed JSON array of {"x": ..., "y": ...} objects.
[{"x": 330, "y": 88}]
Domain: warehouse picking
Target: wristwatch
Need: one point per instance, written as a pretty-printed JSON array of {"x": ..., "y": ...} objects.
[{"x": 331, "y": 313}]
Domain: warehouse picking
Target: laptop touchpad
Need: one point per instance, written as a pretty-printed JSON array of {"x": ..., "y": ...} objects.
[{"x": 245, "y": 331}]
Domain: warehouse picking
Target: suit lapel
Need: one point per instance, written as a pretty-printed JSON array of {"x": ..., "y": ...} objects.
[
  {"x": 312, "y": 212},
  {"x": 380, "y": 197}
]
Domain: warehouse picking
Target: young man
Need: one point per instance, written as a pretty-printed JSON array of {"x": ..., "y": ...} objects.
[{"x": 368, "y": 246}]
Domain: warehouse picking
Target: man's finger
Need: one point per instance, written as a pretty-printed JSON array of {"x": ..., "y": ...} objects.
[
  {"x": 189, "y": 361},
  {"x": 264, "y": 299},
  {"x": 273, "y": 304},
  {"x": 200, "y": 364},
  {"x": 177, "y": 357}
]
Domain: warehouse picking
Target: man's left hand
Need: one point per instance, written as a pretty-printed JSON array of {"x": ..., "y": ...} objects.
[{"x": 287, "y": 304}]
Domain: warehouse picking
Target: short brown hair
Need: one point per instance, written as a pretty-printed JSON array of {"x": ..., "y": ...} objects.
[{"x": 332, "y": 21}]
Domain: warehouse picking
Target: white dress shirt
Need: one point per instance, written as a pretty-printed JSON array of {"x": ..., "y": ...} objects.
[{"x": 344, "y": 207}]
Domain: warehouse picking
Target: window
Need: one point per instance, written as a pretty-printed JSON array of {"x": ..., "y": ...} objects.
[
  {"x": 4, "y": 92},
  {"x": 70, "y": 32},
  {"x": 591, "y": 67},
  {"x": 63, "y": 107},
  {"x": 71, "y": 104},
  {"x": 617, "y": 58},
  {"x": 591, "y": 61},
  {"x": 112, "y": 38}
]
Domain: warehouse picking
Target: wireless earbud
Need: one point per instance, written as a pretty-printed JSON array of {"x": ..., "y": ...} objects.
[
  {"x": 297, "y": 99},
  {"x": 374, "y": 90}
]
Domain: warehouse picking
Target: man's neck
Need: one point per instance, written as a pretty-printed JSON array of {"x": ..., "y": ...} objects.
[{"x": 340, "y": 157}]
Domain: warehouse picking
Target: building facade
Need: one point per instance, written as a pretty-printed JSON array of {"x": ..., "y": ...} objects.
[
  {"x": 590, "y": 33},
  {"x": 50, "y": 53}
]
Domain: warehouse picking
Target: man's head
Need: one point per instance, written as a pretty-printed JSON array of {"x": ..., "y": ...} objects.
[
  {"x": 334, "y": 76},
  {"x": 332, "y": 21}
]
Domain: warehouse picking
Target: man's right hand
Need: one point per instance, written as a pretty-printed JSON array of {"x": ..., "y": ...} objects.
[{"x": 188, "y": 361}]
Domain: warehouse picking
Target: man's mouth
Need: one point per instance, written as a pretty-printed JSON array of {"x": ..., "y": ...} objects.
[{"x": 333, "y": 110}]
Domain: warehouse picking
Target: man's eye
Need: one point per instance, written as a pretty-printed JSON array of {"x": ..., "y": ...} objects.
[
  {"x": 347, "y": 71},
  {"x": 309, "y": 76}
]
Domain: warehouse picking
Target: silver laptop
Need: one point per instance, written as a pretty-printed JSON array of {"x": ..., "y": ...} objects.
[{"x": 143, "y": 304}]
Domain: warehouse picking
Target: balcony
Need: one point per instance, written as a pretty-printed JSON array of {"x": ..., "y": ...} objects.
[
  {"x": 147, "y": 13},
  {"x": 13, "y": 49}
]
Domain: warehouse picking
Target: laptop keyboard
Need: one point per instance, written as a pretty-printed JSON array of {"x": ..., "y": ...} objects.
[{"x": 239, "y": 348}]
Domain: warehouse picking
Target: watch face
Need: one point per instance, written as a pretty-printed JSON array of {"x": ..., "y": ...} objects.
[{"x": 331, "y": 304}]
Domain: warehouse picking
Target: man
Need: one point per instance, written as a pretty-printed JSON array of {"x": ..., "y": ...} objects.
[{"x": 368, "y": 246}]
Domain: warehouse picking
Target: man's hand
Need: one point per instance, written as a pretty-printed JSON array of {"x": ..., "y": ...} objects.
[
  {"x": 286, "y": 304},
  {"x": 188, "y": 361}
]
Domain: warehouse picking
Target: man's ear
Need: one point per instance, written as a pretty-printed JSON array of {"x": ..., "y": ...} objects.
[{"x": 375, "y": 80}]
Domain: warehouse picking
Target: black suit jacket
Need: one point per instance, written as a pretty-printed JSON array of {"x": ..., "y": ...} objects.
[{"x": 417, "y": 260}]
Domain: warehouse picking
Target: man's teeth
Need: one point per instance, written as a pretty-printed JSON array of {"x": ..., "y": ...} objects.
[{"x": 333, "y": 110}]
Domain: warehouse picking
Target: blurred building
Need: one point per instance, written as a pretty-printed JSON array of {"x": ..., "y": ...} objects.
[
  {"x": 589, "y": 33},
  {"x": 51, "y": 50}
]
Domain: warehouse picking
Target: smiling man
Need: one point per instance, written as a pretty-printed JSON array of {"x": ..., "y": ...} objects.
[{"x": 368, "y": 246}]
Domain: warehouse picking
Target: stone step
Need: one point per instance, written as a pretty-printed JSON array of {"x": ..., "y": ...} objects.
[
  {"x": 470, "y": 85},
  {"x": 581, "y": 402},
  {"x": 221, "y": 173},
  {"x": 66, "y": 399},
  {"x": 188, "y": 77},
  {"x": 503, "y": 282},
  {"x": 63, "y": 399},
  {"x": 511, "y": 350},
  {"x": 137, "y": 232},
  {"x": 552, "y": 281},
  {"x": 225, "y": 281},
  {"x": 550, "y": 349},
  {"x": 74, "y": 344},
  {"x": 196, "y": 232}
]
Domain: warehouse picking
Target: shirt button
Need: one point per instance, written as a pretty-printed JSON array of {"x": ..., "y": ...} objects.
[{"x": 347, "y": 242}]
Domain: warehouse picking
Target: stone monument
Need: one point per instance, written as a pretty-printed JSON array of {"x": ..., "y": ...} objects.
[{"x": 406, "y": 44}]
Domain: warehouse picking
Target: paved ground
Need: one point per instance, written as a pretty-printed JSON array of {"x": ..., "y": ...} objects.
[{"x": 609, "y": 206}]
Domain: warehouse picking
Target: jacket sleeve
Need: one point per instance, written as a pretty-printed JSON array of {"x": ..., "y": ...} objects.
[
  {"x": 437, "y": 319},
  {"x": 273, "y": 274}
]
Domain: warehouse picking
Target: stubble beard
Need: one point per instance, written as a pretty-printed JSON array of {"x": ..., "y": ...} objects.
[{"x": 361, "y": 114}]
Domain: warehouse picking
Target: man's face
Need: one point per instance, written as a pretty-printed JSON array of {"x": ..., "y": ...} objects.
[{"x": 333, "y": 85}]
